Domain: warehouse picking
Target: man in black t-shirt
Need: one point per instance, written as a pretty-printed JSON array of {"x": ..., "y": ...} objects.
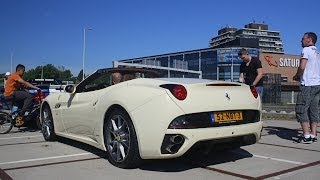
[{"x": 251, "y": 71}]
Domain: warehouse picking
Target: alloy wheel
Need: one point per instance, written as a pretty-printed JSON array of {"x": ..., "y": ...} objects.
[{"x": 118, "y": 138}]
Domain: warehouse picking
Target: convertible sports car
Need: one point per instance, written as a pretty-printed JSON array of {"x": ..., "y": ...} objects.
[{"x": 144, "y": 117}]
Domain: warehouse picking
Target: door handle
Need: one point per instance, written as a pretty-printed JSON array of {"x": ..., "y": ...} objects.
[{"x": 95, "y": 103}]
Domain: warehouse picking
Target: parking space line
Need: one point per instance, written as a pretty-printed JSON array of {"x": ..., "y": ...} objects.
[
  {"x": 288, "y": 170},
  {"x": 229, "y": 173},
  {"x": 20, "y": 137},
  {"x": 219, "y": 170},
  {"x": 11, "y": 144},
  {"x": 4, "y": 175},
  {"x": 95, "y": 158},
  {"x": 289, "y": 147},
  {"x": 272, "y": 158},
  {"x": 49, "y": 164},
  {"x": 277, "y": 159},
  {"x": 46, "y": 158}
]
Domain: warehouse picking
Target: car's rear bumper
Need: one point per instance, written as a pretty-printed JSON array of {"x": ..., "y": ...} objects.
[
  {"x": 152, "y": 120},
  {"x": 242, "y": 133}
]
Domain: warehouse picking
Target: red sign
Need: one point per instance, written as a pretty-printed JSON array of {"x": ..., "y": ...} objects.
[{"x": 270, "y": 61}]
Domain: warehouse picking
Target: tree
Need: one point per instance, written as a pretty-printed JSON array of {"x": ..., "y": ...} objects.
[
  {"x": 49, "y": 71},
  {"x": 80, "y": 75}
]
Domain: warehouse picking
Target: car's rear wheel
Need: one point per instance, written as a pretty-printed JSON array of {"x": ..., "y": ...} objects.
[
  {"x": 47, "y": 124},
  {"x": 121, "y": 140}
]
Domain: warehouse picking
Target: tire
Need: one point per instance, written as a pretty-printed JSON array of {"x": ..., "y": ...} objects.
[
  {"x": 38, "y": 122},
  {"x": 5, "y": 123},
  {"x": 121, "y": 140},
  {"x": 47, "y": 124}
]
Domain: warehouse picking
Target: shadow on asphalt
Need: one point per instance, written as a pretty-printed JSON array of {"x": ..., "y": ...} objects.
[
  {"x": 191, "y": 161},
  {"x": 30, "y": 126},
  {"x": 283, "y": 133},
  {"x": 83, "y": 146},
  {"x": 24, "y": 129},
  {"x": 186, "y": 162}
]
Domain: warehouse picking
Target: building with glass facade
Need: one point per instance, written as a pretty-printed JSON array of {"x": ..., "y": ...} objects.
[
  {"x": 221, "y": 61},
  {"x": 224, "y": 64},
  {"x": 209, "y": 63}
]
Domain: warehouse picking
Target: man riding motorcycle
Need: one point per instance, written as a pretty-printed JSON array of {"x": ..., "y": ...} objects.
[{"x": 15, "y": 92}]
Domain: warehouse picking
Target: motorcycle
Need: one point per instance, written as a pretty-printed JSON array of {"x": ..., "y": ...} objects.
[{"x": 9, "y": 117}]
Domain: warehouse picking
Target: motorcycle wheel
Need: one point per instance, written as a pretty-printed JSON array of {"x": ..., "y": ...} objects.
[{"x": 5, "y": 123}]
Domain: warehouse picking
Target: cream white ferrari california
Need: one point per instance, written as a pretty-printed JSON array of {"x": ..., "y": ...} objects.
[{"x": 143, "y": 117}]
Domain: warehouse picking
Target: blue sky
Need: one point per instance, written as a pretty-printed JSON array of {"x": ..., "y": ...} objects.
[{"x": 51, "y": 31}]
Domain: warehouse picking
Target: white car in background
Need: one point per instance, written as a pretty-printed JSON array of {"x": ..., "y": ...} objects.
[{"x": 152, "y": 118}]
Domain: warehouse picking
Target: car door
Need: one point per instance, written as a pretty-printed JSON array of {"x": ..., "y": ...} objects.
[
  {"x": 77, "y": 114},
  {"x": 79, "y": 111}
]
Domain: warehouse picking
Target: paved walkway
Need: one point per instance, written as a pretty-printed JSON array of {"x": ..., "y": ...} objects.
[{"x": 25, "y": 155}]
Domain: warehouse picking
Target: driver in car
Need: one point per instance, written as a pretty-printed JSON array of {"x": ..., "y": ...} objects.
[{"x": 116, "y": 77}]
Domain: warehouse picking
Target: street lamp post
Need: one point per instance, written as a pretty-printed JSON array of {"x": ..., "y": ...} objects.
[
  {"x": 11, "y": 62},
  {"x": 42, "y": 71},
  {"x": 84, "y": 49},
  {"x": 42, "y": 64}
]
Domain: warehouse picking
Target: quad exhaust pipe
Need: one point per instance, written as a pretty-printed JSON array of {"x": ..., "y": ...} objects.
[
  {"x": 171, "y": 148},
  {"x": 172, "y": 144},
  {"x": 177, "y": 139}
]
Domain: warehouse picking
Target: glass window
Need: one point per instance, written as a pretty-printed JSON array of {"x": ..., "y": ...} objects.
[
  {"x": 209, "y": 64},
  {"x": 284, "y": 79},
  {"x": 193, "y": 61},
  {"x": 175, "y": 61},
  {"x": 236, "y": 73},
  {"x": 225, "y": 73},
  {"x": 176, "y": 74},
  {"x": 97, "y": 81},
  {"x": 163, "y": 73},
  {"x": 163, "y": 61}
]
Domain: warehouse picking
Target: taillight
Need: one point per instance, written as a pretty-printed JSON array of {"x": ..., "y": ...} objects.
[
  {"x": 42, "y": 96},
  {"x": 177, "y": 90},
  {"x": 254, "y": 92},
  {"x": 39, "y": 97}
]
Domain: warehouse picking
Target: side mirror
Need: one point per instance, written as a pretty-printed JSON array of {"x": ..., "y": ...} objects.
[{"x": 70, "y": 89}]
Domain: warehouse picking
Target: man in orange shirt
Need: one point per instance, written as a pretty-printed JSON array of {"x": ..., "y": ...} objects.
[{"x": 14, "y": 90}]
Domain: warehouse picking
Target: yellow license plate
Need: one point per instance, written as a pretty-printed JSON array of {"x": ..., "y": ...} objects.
[{"x": 226, "y": 117}]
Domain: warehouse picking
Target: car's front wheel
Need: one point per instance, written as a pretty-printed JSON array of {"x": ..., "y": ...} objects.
[
  {"x": 121, "y": 140},
  {"x": 47, "y": 124}
]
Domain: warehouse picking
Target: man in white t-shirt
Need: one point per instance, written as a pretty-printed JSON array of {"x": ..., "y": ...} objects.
[{"x": 308, "y": 73}]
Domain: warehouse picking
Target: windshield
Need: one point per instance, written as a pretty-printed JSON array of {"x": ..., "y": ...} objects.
[{"x": 103, "y": 78}]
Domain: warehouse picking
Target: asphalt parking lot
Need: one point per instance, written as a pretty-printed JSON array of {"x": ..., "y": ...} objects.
[{"x": 25, "y": 155}]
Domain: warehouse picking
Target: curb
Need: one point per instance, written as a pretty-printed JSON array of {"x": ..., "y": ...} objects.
[{"x": 278, "y": 112}]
